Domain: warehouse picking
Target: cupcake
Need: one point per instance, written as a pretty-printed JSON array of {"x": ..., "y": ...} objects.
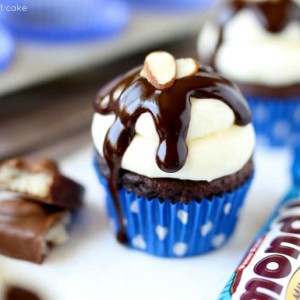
[
  {"x": 257, "y": 44},
  {"x": 62, "y": 20},
  {"x": 174, "y": 144},
  {"x": 6, "y": 48}
]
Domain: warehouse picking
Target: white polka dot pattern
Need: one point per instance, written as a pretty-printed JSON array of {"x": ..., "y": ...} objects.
[
  {"x": 134, "y": 207},
  {"x": 218, "y": 240},
  {"x": 175, "y": 229},
  {"x": 206, "y": 228},
  {"x": 183, "y": 216},
  {"x": 161, "y": 232},
  {"x": 180, "y": 249},
  {"x": 139, "y": 242}
]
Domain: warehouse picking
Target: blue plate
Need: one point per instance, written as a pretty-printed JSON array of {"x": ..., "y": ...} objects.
[
  {"x": 169, "y": 5},
  {"x": 7, "y": 47},
  {"x": 65, "y": 21}
]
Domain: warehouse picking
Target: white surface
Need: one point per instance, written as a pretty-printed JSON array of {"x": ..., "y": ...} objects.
[
  {"x": 36, "y": 62},
  {"x": 93, "y": 266}
]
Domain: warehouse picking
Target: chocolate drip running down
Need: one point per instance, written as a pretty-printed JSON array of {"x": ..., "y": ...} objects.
[
  {"x": 274, "y": 16},
  {"x": 130, "y": 96}
]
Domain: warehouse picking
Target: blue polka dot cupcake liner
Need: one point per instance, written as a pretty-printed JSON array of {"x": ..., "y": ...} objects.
[
  {"x": 167, "y": 229},
  {"x": 7, "y": 47},
  {"x": 276, "y": 121},
  {"x": 66, "y": 21},
  {"x": 169, "y": 5}
]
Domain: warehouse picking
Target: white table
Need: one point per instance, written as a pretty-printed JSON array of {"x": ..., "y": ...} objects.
[{"x": 92, "y": 266}]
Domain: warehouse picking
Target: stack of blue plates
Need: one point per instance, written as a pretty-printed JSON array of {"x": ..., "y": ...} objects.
[
  {"x": 6, "y": 48},
  {"x": 170, "y": 5},
  {"x": 65, "y": 20}
]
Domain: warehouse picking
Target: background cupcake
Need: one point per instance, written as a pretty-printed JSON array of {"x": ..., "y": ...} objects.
[
  {"x": 257, "y": 44},
  {"x": 64, "y": 20},
  {"x": 174, "y": 147}
]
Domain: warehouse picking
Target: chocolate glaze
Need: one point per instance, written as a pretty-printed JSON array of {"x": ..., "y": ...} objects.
[
  {"x": 16, "y": 293},
  {"x": 170, "y": 110},
  {"x": 273, "y": 15},
  {"x": 24, "y": 225}
]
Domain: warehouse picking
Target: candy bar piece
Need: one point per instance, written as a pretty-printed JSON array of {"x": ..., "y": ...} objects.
[
  {"x": 41, "y": 181},
  {"x": 29, "y": 228},
  {"x": 16, "y": 293}
]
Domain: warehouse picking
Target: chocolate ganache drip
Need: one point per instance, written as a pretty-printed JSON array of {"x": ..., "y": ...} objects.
[
  {"x": 129, "y": 96},
  {"x": 274, "y": 16}
]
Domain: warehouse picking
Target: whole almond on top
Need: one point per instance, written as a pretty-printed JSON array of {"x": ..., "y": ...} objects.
[
  {"x": 186, "y": 67},
  {"x": 160, "y": 69}
]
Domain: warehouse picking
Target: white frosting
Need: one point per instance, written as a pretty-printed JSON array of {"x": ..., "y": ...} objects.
[
  {"x": 251, "y": 54},
  {"x": 216, "y": 146}
]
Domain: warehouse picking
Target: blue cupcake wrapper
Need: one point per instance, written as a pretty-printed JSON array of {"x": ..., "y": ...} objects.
[
  {"x": 176, "y": 230},
  {"x": 276, "y": 121},
  {"x": 7, "y": 47},
  {"x": 65, "y": 21}
]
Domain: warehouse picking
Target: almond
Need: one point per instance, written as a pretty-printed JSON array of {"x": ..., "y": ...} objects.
[
  {"x": 186, "y": 67},
  {"x": 160, "y": 69}
]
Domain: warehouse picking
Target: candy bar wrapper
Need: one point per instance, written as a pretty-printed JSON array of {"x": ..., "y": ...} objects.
[
  {"x": 276, "y": 121},
  {"x": 270, "y": 270},
  {"x": 177, "y": 230},
  {"x": 65, "y": 20}
]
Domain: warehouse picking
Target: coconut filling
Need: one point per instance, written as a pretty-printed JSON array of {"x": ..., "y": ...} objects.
[
  {"x": 58, "y": 233},
  {"x": 37, "y": 184}
]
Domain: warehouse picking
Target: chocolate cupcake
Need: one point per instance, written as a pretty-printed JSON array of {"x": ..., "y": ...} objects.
[
  {"x": 257, "y": 44},
  {"x": 174, "y": 145}
]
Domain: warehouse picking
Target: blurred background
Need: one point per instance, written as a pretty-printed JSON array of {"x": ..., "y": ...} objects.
[{"x": 56, "y": 54}]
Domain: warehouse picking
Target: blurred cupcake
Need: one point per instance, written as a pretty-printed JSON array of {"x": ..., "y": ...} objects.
[
  {"x": 6, "y": 48},
  {"x": 174, "y": 147},
  {"x": 62, "y": 20},
  {"x": 169, "y": 5},
  {"x": 257, "y": 44}
]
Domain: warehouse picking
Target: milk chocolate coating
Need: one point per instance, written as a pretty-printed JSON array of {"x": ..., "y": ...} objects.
[
  {"x": 24, "y": 225},
  {"x": 16, "y": 293},
  {"x": 170, "y": 110},
  {"x": 176, "y": 190},
  {"x": 63, "y": 191}
]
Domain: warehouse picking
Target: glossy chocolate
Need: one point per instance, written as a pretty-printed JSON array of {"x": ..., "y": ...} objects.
[
  {"x": 62, "y": 191},
  {"x": 274, "y": 16},
  {"x": 24, "y": 225},
  {"x": 132, "y": 95},
  {"x": 16, "y": 293}
]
